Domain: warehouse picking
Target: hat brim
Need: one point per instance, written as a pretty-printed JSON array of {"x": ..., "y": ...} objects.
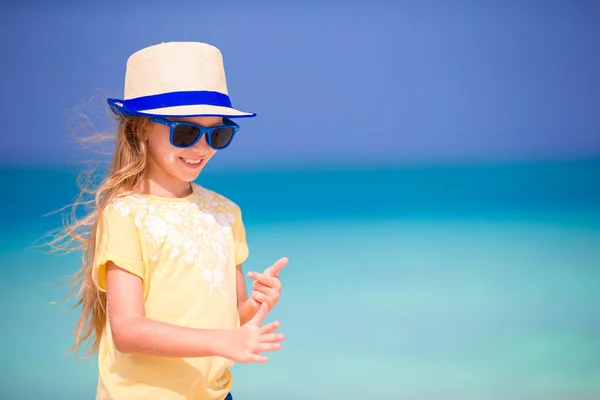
[{"x": 198, "y": 110}]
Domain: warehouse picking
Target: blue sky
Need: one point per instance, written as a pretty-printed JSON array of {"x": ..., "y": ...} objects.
[{"x": 366, "y": 83}]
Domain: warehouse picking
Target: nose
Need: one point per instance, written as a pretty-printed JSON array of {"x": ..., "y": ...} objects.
[{"x": 201, "y": 146}]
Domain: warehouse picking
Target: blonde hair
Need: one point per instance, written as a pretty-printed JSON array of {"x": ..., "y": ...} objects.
[{"x": 123, "y": 177}]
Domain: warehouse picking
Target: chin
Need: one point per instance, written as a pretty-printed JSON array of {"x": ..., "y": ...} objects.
[{"x": 189, "y": 177}]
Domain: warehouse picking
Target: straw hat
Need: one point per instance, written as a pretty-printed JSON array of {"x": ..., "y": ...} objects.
[{"x": 176, "y": 79}]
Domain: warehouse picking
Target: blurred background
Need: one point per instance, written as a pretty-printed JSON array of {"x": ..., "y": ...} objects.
[{"x": 431, "y": 169}]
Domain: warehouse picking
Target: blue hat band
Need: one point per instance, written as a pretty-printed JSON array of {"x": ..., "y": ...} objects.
[{"x": 175, "y": 99}]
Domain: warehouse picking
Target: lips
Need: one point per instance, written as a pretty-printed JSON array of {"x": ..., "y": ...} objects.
[{"x": 192, "y": 163}]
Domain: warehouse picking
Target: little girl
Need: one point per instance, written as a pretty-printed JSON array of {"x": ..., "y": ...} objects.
[{"x": 162, "y": 290}]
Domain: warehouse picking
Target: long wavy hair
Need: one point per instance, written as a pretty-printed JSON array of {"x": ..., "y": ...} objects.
[{"x": 125, "y": 170}]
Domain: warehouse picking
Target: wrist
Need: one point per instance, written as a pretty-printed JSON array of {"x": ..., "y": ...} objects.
[
  {"x": 218, "y": 343},
  {"x": 247, "y": 310},
  {"x": 253, "y": 307}
]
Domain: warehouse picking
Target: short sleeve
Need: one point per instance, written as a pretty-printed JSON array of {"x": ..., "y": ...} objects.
[
  {"x": 239, "y": 238},
  {"x": 118, "y": 241}
]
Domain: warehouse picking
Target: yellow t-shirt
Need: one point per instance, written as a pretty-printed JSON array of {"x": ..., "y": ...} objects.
[{"x": 185, "y": 251}]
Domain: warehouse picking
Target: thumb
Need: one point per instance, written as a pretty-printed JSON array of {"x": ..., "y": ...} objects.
[
  {"x": 274, "y": 269},
  {"x": 260, "y": 314}
]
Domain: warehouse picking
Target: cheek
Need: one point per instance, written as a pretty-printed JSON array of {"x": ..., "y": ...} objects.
[
  {"x": 211, "y": 152},
  {"x": 159, "y": 145}
]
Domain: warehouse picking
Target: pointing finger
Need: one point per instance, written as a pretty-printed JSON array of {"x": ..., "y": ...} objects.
[
  {"x": 269, "y": 328},
  {"x": 265, "y": 279}
]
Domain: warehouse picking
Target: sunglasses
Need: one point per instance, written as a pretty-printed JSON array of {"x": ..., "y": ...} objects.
[{"x": 186, "y": 134}]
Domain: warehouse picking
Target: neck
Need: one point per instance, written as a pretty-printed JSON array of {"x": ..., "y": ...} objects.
[{"x": 157, "y": 182}]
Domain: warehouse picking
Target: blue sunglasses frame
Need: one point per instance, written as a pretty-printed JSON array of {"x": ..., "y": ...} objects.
[{"x": 204, "y": 132}]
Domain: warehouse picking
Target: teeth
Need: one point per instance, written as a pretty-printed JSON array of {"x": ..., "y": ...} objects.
[{"x": 187, "y": 160}]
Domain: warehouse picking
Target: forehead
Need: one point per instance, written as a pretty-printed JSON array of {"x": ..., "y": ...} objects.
[{"x": 202, "y": 121}]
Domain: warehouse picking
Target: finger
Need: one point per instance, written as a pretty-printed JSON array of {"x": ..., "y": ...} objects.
[
  {"x": 267, "y": 291},
  {"x": 274, "y": 269},
  {"x": 269, "y": 328},
  {"x": 260, "y": 297},
  {"x": 261, "y": 347},
  {"x": 260, "y": 315},
  {"x": 257, "y": 358},
  {"x": 272, "y": 338},
  {"x": 265, "y": 279},
  {"x": 258, "y": 285}
]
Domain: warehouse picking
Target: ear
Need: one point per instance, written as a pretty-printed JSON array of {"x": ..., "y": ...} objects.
[{"x": 146, "y": 130}]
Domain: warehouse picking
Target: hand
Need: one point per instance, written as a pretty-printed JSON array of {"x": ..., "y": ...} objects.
[
  {"x": 267, "y": 286},
  {"x": 245, "y": 344}
]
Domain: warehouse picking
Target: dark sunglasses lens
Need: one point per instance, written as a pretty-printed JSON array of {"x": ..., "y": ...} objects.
[
  {"x": 185, "y": 135},
  {"x": 220, "y": 137}
]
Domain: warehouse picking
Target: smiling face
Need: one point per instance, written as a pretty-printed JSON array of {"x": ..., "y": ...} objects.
[{"x": 171, "y": 169}]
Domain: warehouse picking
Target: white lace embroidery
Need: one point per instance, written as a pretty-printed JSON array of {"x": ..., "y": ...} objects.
[{"x": 197, "y": 232}]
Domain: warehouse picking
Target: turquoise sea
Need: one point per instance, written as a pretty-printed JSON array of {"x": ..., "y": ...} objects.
[{"x": 422, "y": 282}]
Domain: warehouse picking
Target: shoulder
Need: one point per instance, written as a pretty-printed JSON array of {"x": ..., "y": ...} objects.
[
  {"x": 121, "y": 214},
  {"x": 124, "y": 206},
  {"x": 126, "y": 201},
  {"x": 216, "y": 201}
]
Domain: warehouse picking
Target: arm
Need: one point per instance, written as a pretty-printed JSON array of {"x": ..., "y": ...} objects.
[
  {"x": 247, "y": 307},
  {"x": 133, "y": 333}
]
